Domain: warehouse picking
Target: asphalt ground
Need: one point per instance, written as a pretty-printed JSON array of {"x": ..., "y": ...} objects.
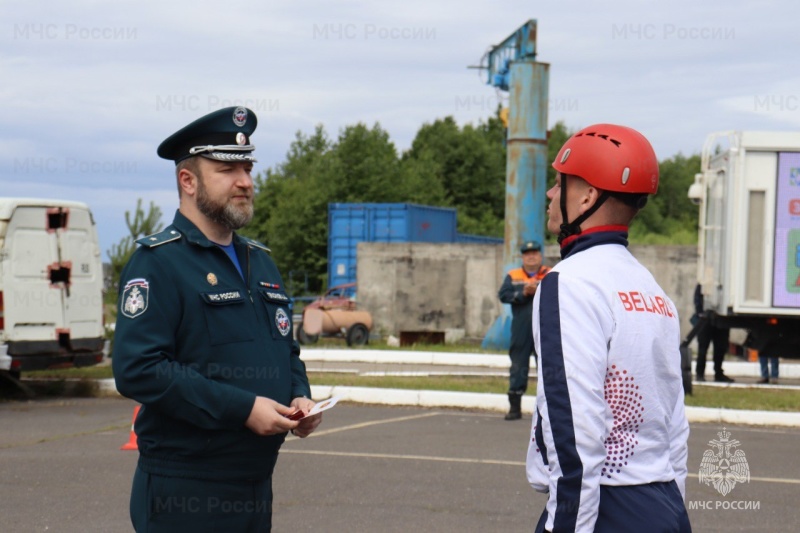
[{"x": 367, "y": 468}]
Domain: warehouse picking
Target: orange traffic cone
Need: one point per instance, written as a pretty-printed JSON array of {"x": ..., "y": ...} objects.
[{"x": 131, "y": 444}]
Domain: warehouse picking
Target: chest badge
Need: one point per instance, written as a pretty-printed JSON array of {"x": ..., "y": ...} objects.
[
  {"x": 282, "y": 321},
  {"x": 135, "y": 297},
  {"x": 211, "y": 278}
]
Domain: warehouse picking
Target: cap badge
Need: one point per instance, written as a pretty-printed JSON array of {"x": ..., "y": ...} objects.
[
  {"x": 239, "y": 116},
  {"x": 211, "y": 278},
  {"x": 241, "y": 139}
]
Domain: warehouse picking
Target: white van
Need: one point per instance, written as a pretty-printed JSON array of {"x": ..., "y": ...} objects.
[{"x": 51, "y": 285}]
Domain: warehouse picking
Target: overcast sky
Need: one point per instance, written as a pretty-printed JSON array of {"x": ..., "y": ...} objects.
[{"x": 90, "y": 88}]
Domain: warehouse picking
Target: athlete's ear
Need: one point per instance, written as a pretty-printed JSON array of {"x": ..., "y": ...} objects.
[{"x": 587, "y": 196}]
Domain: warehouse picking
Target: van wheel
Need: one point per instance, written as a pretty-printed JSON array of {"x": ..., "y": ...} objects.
[
  {"x": 304, "y": 338},
  {"x": 357, "y": 335}
]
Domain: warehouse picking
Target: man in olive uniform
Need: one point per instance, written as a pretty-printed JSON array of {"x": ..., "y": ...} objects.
[
  {"x": 518, "y": 289},
  {"x": 204, "y": 342}
]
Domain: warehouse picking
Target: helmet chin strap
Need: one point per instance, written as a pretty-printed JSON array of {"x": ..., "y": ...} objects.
[{"x": 574, "y": 228}]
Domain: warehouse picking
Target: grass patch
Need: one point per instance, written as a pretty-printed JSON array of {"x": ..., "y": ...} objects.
[
  {"x": 498, "y": 385},
  {"x": 727, "y": 398},
  {"x": 84, "y": 372},
  {"x": 739, "y": 398}
]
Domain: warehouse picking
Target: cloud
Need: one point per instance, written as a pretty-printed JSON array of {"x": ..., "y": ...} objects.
[{"x": 90, "y": 89}]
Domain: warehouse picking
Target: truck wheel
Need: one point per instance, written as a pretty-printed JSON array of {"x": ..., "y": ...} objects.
[
  {"x": 357, "y": 335},
  {"x": 304, "y": 338}
]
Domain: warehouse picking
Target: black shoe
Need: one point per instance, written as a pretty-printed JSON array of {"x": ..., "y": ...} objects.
[
  {"x": 762, "y": 381},
  {"x": 700, "y": 378},
  {"x": 515, "y": 401},
  {"x": 722, "y": 378}
]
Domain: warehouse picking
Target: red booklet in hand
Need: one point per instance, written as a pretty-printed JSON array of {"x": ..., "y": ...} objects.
[{"x": 318, "y": 408}]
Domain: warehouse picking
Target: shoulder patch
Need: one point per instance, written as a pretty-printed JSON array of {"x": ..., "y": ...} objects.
[
  {"x": 256, "y": 244},
  {"x": 135, "y": 297},
  {"x": 162, "y": 237}
]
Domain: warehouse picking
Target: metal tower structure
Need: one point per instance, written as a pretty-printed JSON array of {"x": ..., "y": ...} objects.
[{"x": 512, "y": 67}]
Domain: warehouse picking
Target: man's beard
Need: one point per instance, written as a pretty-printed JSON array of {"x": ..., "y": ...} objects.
[{"x": 226, "y": 214}]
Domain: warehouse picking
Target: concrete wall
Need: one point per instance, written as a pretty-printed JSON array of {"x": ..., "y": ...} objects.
[
  {"x": 453, "y": 287},
  {"x": 429, "y": 287}
]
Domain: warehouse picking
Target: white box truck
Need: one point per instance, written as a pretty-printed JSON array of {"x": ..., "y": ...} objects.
[
  {"x": 51, "y": 285},
  {"x": 749, "y": 236}
]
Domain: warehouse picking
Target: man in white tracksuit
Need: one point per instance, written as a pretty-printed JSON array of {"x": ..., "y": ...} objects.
[{"x": 609, "y": 436}]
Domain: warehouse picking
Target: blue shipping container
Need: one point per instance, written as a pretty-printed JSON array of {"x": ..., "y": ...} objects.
[
  {"x": 349, "y": 224},
  {"x": 478, "y": 239}
]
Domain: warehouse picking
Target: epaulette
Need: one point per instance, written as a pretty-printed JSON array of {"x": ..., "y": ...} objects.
[
  {"x": 251, "y": 242},
  {"x": 162, "y": 237}
]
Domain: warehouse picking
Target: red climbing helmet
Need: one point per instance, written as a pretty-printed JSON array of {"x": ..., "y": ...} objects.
[{"x": 610, "y": 157}]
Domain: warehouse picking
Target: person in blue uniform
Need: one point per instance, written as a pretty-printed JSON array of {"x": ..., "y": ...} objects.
[
  {"x": 518, "y": 289},
  {"x": 204, "y": 342}
]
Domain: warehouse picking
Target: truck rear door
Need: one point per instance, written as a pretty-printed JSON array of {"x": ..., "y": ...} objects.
[{"x": 52, "y": 288}]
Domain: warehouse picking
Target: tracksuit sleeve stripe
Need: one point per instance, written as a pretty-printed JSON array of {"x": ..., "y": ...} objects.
[
  {"x": 539, "y": 438},
  {"x": 554, "y": 377}
]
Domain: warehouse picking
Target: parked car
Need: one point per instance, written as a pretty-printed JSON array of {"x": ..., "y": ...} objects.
[{"x": 335, "y": 313}]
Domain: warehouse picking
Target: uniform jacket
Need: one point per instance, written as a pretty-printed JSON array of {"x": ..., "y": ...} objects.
[
  {"x": 511, "y": 293},
  {"x": 195, "y": 344},
  {"x": 609, "y": 400}
]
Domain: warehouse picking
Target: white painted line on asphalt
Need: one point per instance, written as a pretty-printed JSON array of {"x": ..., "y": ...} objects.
[
  {"x": 766, "y": 479},
  {"x": 365, "y": 424},
  {"x": 407, "y": 457},
  {"x": 479, "y": 461}
]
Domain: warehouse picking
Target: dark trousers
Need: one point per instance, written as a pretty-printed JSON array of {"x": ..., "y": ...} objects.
[
  {"x": 720, "y": 338},
  {"x": 654, "y": 508},
  {"x": 520, "y": 353},
  {"x": 766, "y": 363},
  {"x": 162, "y": 504}
]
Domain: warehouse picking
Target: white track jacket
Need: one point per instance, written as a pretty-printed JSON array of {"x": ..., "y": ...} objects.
[{"x": 609, "y": 399}]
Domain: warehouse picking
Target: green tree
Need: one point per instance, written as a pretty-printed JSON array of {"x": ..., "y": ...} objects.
[
  {"x": 292, "y": 199},
  {"x": 139, "y": 225},
  {"x": 467, "y": 164},
  {"x": 447, "y": 165},
  {"x": 291, "y": 210},
  {"x": 556, "y": 138},
  {"x": 670, "y": 217}
]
